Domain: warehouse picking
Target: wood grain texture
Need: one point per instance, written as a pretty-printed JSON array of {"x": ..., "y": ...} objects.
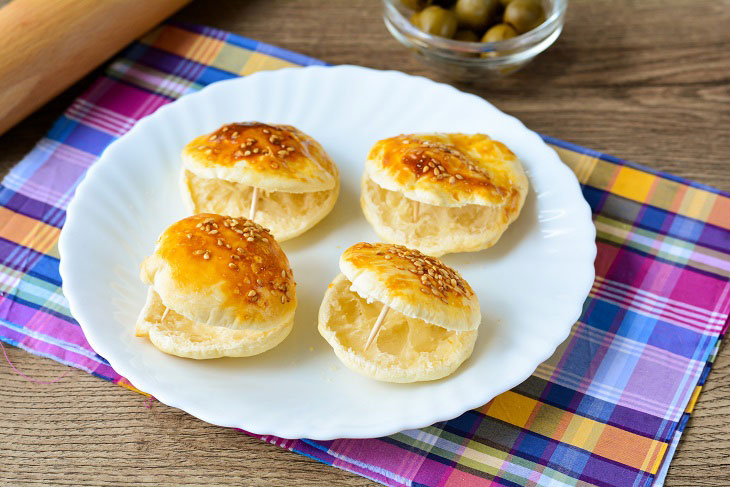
[
  {"x": 647, "y": 81},
  {"x": 46, "y": 45}
]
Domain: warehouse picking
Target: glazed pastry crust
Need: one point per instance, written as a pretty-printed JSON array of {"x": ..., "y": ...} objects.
[
  {"x": 447, "y": 169},
  {"x": 269, "y": 157},
  {"x": 442, "y": 193},
  {"x": 411, "y": 283},
  {"x": 222, "y": 271}
]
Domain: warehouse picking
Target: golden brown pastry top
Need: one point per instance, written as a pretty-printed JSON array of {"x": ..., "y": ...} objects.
[
  {"x": 270, "y": 157},
  {"x": 447, "y": 169},
  {"x": 224, "y": 271},
  {"x": 412, "y": 283}
]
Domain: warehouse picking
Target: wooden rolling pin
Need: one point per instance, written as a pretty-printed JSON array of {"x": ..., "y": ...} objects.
[{"x": 46, "y": 45}]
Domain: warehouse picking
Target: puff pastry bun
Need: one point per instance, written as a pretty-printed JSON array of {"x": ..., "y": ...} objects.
[
  {"x": 296, "y": 180},
  {"x": 431, "y": 326},
  {"x": 219, "y": 286},
  {"x": 467, "y": 189}
]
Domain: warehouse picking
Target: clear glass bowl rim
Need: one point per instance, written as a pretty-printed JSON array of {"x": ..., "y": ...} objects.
[{"x": 517, "y": 43}]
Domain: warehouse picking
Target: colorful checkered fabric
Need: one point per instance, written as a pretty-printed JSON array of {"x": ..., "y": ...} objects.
[{"x": 604, "y": 410}]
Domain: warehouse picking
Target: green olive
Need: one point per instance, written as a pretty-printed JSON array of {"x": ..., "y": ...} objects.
[
  {"x": 437, "y": 21},
  {"x": 413, "y": 4},
  {"x": 475, "y": 14},
  {"x": 499, "y": 32},
  {"x": 524, "y": 15},
  {"x": 466, "y": 35}
]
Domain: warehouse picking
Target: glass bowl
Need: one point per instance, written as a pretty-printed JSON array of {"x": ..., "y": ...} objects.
[{"x": 469, "y": 61}]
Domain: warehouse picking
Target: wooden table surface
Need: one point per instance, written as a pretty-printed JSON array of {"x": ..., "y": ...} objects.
[{"x": 647, "y": 81}]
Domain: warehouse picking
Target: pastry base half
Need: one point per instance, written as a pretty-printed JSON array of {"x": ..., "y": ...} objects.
[
  {"x": 439, "y": 229},
  {"x": 177, "y": 335},
  {"x": 406, "y": 349},
  {"x": 287, "y": 215}
]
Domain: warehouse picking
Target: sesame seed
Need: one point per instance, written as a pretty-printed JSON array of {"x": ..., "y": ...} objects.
[
  {"x": 198, "y": 252},
  {"x": 239, "y": 250},
  {"x": 452, "y": 180},
  {"x": 283, "y": 273},
  {"x": 266, "y": 131},
  {"x": 283, "y": 299},
  {"x": 256, "y": 150},
  {"x": 233, "y": 266},
  {"x": 259, "y": 282},
  {"x": 213, "y": 232},
  {"x": 247, "y": 153},
  {"x": 435, "y": 171},
  {"x": 388, "y": 257},
  {"x": 425, "y": 169},
  {"x": 250, "y": 239},
  {"x": 220, "y": 242},
  {"x": 424, "y": 290},
  {"x": 235, "y": 257},
  {"x": 234, "y": 135},
  {"x": 459, "y": 176},
  {"x": 274, "y": 165},
  {"x": 251, "y": 293},
  {"x": 189, "y": 235},
  {"x": 206, "y": 255},
  {"x": 238, "y": 154},
  {"x": 290, "y": 149}
]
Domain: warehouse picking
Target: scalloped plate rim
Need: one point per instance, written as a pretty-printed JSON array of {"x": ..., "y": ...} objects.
[{"x": 291, "y": 430}]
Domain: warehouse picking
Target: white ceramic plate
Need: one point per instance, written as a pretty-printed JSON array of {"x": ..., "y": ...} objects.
[{"x": 531, "y": 285}]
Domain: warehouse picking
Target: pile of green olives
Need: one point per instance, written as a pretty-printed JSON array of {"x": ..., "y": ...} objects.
[{"x": 476, "y": 20}]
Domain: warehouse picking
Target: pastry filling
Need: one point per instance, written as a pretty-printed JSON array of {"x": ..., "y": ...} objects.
[
  {"x": 395, "y": 212},
  {"x": 285, "y": 214}
]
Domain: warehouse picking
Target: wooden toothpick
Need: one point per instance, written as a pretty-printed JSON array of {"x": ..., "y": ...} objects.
[
  {"x": 416, "y": 208},
  {"x": 254, "y": 203},
  {"x": 164, "y": 315},
  {"x": 376, "y": 327}
]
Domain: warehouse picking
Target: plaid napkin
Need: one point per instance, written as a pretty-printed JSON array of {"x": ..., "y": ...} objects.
[{"x": 607, "y": 408}]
